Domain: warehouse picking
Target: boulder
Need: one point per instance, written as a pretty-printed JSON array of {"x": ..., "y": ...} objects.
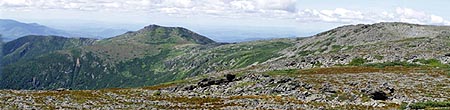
[
  {"x": 379, "y": 95},
  {"x": 62, "y": 89},
  {"x": 328, "y": 88},
  {"x": 230, "y": 77}
]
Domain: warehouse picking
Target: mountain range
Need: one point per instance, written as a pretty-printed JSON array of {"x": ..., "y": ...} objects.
[
  {"x": 351, "y": 67},
  {"x": 12, "y": 29}
]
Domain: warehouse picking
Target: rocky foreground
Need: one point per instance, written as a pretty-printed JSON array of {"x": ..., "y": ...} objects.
[{"x": 319, "y": 88}]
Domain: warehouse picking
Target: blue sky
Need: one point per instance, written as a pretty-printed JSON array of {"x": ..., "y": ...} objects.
[{"x": 283, "y": 18}]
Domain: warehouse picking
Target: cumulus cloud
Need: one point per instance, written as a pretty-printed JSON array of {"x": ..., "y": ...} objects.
[
  {"x": 419, "y": 17},
  {"x": 277, "y": 9},
  {"x": 230, "y": 5},
  {"x": 341, "y": 15},
  {"x": 14, "y": 3}
]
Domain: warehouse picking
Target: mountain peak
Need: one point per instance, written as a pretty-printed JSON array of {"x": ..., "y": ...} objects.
[
  {"x": 8, "y": 21},
  {"x": 152, "y": 26},
  {"x": 11, "y": 29},
  {"x": 156, "y": 34}
]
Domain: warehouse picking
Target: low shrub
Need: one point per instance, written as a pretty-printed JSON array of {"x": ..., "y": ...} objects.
[
  {"x": 357, "y": 62},
  {"x": 423, "y": 105}
]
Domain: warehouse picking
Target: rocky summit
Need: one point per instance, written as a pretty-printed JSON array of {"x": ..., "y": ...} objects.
[{"x": 367, "y": 66}]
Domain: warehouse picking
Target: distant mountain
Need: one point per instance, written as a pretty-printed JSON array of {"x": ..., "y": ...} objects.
[
  {"x": 11, "y": 29},
  {"x": 97, "y": 33}
]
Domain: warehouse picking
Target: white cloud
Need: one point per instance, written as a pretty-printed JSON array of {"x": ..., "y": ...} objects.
[
  {"x": 14, "y": 3},
  {"x": 234, "y": 7},
  {"x": 276, "y": 9},
  {"x": 286, "y": 5},
  {"x": 341, "y": 15}
]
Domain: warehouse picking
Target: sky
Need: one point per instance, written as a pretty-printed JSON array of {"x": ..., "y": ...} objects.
[{"x": 226, "y": 18}]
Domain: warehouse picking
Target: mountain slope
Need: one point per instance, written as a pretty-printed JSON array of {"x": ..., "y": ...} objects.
[
  {"x": 148, "y": 41},
  {"x": 157, "y": 54},
  {"x": 31, "y": 46},
  {"x": 134, "y": 59},
  {"x": 381, "y": 42}
]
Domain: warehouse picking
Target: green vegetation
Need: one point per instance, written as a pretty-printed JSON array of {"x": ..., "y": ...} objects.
[
  {"x": 432, "y": 63},
  {"x": 157, "y": 93},
  {"x": 317, "y": 64},
  {"x": 349, "y": 47},
  {"x": 431, "y": 105},
  {"x": 32, "y": 46},
  {"x": 305, "y": 53},
  {"x": 236, "y": 56},
  {"x": 378, "y": 57},
  {"x": 336, "y": 48},
  {"x": 357, "y": 62},
  {"x": 151, "y": 56},
  {"x": 387, "y": 64}
]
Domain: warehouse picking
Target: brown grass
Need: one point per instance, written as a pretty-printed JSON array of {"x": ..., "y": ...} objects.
[
  {"x": 160, "y": 86},
  {"x": 193, "y": 102},
  {"x": 278, "y": 99}
]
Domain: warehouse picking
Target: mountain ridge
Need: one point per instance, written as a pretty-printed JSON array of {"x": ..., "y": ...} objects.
[
  {"x": 157, "y": 54},
  {"x": 11, "y": 29},
  {"x": 34, "y": 45},
  {"x": 100, "y": 57}
]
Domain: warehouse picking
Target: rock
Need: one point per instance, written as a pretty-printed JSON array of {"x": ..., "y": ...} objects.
[
  {"x": 62, "y": 89},
  {"x": 230, "y": 77},
  {"x": 379, "y": 95},
  {"x": 314, "y": 97},
  {"x": 283, "y": 80},
  {"x": 205, "y": 82},
  {"x": 189, "y": 87},
  {"x": 447, "y": 55},
  {"x": 388, "y": 87},
  {"x": 208, "y": 82},
  {"x": 328, "y": 88},
  {"x": 307, "y": 86}
]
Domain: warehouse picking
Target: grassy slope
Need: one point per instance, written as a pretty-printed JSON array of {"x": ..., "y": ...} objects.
[
  {"x": 32, "y": 46},
  {"x": 146, "y": 57}
]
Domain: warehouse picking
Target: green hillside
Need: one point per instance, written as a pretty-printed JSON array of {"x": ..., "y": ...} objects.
[
  {"x": 149, "y": 56},
  {"x": 32, "y": 46}
]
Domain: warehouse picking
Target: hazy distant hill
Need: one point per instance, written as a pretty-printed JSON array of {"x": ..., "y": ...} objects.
[{"x": 11, "y": 29}]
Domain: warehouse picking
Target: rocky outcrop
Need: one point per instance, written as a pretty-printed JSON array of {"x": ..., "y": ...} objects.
[{"x": 250, "y": 91}]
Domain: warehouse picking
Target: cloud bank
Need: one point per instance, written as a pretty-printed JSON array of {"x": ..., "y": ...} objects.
[
  {"x": 341, "y": 15},
  {"x": 271, "y": 9}
]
